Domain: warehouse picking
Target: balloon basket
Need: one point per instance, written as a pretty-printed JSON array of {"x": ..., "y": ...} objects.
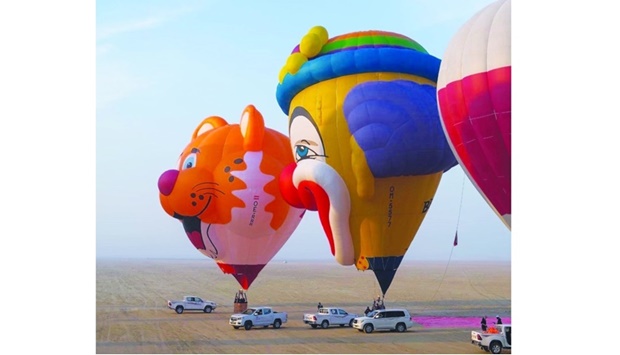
[{"x": 240, "y": 307}]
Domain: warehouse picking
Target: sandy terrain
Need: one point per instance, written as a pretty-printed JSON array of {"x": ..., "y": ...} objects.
[{"x": 132, "y": 316}]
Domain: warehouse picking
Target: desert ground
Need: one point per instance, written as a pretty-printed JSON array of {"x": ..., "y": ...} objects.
[{"x": 133, "y": 317}]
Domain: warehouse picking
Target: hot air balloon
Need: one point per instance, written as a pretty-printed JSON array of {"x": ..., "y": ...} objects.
[
  {"x": 225, "y": 191},
  {"x": 473, "y": 93},
  {"x": 369, "y": 149}
]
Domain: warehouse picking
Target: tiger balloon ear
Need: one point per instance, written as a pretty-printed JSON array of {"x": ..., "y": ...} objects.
[
  {"x": 252, "y": 129},
  {"x": 209, "y": 123}
]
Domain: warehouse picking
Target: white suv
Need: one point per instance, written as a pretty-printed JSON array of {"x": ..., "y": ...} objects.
[{"x": 392, "y": 319}]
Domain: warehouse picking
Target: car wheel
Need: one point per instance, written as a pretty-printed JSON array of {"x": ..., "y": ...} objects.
[
  {"x": 495, "y": 347},
  {"x": 179, "y": 309},
  {"x": 324, "y": 324},
  {"x": 400, "y": 327},
  {"x": 208, "y": 309},
  {"x": 368, "y": 328},
  {"x": 351, "y": 323},
  {"x": 313, "y": 326},
  {"x": 247, "y": 325},
  {"x": 277, "y": 323}
]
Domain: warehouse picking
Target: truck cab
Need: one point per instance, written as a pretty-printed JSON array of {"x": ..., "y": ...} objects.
[
  {"x": 495, "y": 339},
  {"x": 258, "y": 316},
  {"x": 328, "y": 316},
  {"x": 192, "y": 303},
  {"x": 384, "y": 319}
]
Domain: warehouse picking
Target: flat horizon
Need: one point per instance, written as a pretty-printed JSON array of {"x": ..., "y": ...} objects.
[{"x": 296, "y": 260}]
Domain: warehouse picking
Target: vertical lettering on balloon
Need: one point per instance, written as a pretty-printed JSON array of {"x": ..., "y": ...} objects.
[
  {"x": 254, "y": 209},
  {"x": 390, "y": 206}
]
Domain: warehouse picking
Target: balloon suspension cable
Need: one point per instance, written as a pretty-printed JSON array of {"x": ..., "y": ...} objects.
[
  {"x": 458, "y": 219},
  {"x": 376, "y": 286}
]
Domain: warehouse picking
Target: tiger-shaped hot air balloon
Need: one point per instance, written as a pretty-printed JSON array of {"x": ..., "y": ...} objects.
[{"x": 225, "y": 191}]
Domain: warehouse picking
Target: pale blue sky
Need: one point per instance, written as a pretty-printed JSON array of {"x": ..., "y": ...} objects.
[{"x": 162, "y": 66}]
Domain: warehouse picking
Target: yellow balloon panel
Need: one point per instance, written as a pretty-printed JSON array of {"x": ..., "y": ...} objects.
[{"x": 368, "y": 144}]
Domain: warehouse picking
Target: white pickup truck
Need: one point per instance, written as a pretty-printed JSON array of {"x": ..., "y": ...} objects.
[
  {"x": 258, "y": 316},
  {"x": 327, "y": 316},
  {"x": 192, "y": 303},
  {"x": 495, "y": 339}
]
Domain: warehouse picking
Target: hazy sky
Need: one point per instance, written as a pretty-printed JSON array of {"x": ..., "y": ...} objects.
[{"x": 163, "y": 66}]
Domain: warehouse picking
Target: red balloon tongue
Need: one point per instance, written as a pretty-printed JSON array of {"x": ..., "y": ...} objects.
[
  {"x": 245, "y": 274},
  {"x": 320, "y": 199}
]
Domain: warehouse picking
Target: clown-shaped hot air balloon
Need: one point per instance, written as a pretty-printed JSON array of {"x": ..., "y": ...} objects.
[
  {"x": 369, "y": 148},
  {"x": 226, "y": 193},
  {"x": 475, "y": 104}
]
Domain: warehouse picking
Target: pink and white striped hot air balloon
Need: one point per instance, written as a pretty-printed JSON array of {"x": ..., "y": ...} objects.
[{"x": 473, "y": 94}]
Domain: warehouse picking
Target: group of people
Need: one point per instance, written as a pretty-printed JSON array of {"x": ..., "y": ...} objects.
[
  {"x": 241, "y": 297},
  {"x": 376, "y": 304},
  {"x": 483, "y": 322}
]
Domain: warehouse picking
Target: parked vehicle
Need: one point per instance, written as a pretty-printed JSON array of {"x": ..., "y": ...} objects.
[
  {"x": 384, "y": 319},
  {"x": 192, "y": 303},
  {"x": 495, "y": 339},
  {"x": 258, "y": 316},
  {"x": 327, "y": 316}
]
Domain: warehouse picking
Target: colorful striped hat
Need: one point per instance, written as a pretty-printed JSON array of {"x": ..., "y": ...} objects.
[{"x": 318, "y": 59}]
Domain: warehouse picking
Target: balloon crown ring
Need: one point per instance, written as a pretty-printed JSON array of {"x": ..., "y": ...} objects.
[{"x": 318, "y": 58}]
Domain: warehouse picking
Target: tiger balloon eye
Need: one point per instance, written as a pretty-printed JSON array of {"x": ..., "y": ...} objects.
[{"x": 225, "y": 191}]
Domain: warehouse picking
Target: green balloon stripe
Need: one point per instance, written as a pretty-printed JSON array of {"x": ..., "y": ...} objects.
[{"x": 375, "y": 40}]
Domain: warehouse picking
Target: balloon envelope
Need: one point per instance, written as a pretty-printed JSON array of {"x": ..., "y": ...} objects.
[
  {"x": 474, "y": 97},
  {"x": 369, "y": 148},
  {"x": 225, "y": 191}
]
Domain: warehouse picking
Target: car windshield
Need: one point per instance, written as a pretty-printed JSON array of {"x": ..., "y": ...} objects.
[
  {"x": 248, "y": 311},
  {"x": 371, "y": 314}
]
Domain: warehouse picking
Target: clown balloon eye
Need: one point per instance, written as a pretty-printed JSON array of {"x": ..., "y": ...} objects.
[
  {"x": 306, "y": 141},
  {"x": 303, "y": 152},
  {"x": 189, "y": 162}
]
